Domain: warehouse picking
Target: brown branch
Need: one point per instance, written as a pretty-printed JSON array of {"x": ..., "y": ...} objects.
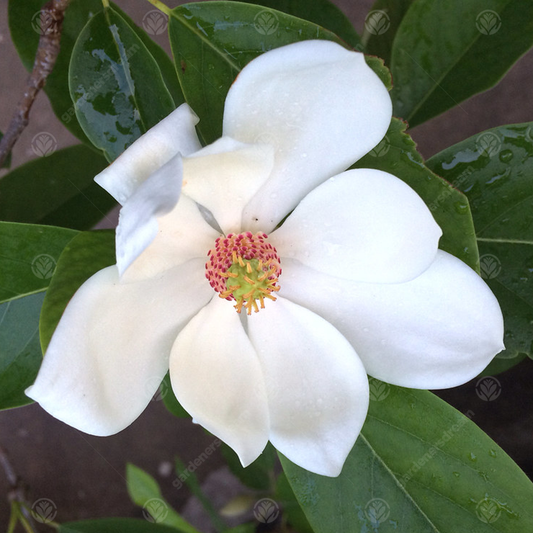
[
  {"x": 17, "y": 489},
  {"x": 52, "y": 15}
]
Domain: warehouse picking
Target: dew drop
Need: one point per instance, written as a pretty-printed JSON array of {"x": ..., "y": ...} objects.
[
  {"x": 456, "y": 474},
  {"x": 506, "y": 156},
  {"x": 473, "y": 456}
]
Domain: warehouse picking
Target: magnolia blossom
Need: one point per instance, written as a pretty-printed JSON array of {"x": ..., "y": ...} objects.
[{"x": 265, "y": 277}]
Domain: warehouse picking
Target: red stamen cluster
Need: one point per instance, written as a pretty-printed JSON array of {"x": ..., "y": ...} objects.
[{"x": 240, "y": 249}]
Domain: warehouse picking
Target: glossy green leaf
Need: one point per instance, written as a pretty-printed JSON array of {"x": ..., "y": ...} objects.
[
  {"x": 25, "y": 27},
  {"x": 322, "y": 12},
  {"x": 259, "y": 475},
  {"x": 20, "y": 351},
  {"x": 114, "y": 525},
  {"x": 397, "y": 154},
  {"x": 84, "y": 255},
  {"x": 495, "y": 171},
  {"x": 28, "y": 256},
  {"x": 47, "y": 190},
  {"x": 145, "y": 492},
  {"x": 166, "y": 65},
  {"x": 381, "y": 25},
  {"x": 211, "y": 43},
  {"x": 116, "y": 83},
  {"x": 445, "y": 52},
  {"x": 418, "y": 466}
]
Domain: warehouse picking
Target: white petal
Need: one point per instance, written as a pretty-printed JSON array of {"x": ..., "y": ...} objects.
[
  {"x": 174, "y": 134},
  {"x": 316, "y": 385},
  {"x": 182, "y": 235},
  {"x": 216, "y": 377},
  {"x": 224, "y": 176},
  {"x": 137, "y": 226},
  {"x": 320, "y": 105},
  {"x": 110, "y": 350},
  {"x": 437, "y": 331},
  {"x": 363, "y": 225}
]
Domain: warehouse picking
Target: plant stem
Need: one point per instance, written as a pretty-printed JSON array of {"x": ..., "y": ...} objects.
[
  {"x": 52, "y": 15},
  {"x": 162, "y": 7}
]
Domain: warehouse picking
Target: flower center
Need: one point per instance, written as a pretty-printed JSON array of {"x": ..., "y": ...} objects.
[{"x": 245, "y": 268}]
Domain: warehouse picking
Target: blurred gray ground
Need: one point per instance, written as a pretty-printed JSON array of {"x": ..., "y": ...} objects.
[{"x": 85, "y": 476}]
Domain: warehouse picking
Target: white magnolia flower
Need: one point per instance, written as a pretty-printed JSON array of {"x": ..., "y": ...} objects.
[{"x": 351, "y": 283}]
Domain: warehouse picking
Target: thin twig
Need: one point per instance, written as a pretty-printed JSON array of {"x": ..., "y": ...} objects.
[
  {"x": 52, "y": 15},
  {"x": 17, "y": 492}
]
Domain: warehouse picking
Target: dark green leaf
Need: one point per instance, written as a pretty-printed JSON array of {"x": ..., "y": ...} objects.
[
  {"x": 25, "y": 27},
  {"x": 85, "y": 255},
  {"x": 145, "y": 492},
  {"x": 114, "y": 525},
  {"x": 418, "y": 465},
  {"x": 211, "y": 43},
  {"x": 495, "y": 171},
  {"x": 165, "y": 63},
  {"x": 397, "y": 154},
  {"x": 321, "y": 12},
  {"x": 259, "y": 475},
  {"x": 57, "y": 190},
  {"x": 20, "y": 351},
  {"x": 381, "y": 25},
  {"x": 445, "y": 52},
  {"x": 116, "y": 83},
  {"x": 28, "y": 256}
]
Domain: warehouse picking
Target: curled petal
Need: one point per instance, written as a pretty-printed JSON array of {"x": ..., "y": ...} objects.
[
  {"x": 182, "y": 235},
  {"x": 224, "y": 176},
  {"x": 216, "y": 376},
  {"x": 316, "y": 385},
  {"x": 320, "y": 105},
  {"x": 362, "y": 225},
  {"x": 110, "y": 350},
  {"x": 174, "y": 134},
  {"x": 137, "y": 226},
  {"x": 437, "y": 331}
]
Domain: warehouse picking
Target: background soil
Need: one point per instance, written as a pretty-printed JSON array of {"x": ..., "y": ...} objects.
[{"x": 85, "y": 476}]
